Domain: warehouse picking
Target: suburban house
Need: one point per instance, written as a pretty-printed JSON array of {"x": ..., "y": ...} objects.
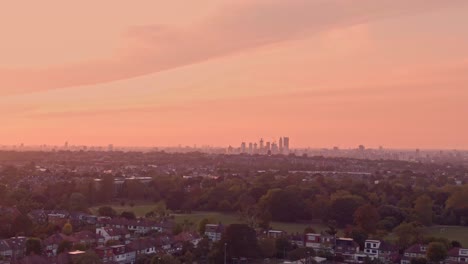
[
  {"x": 113, "y": 234},
  {"x": 13, "y": 249},
  {"x": 52, "y": 243},
  {"x": 297, "y": 240},
  {"x": 457, "y": 255},
  {"x": 381, "y": 250},
  {"x": 349, "y": 250},
  {"x": 319, "y": 241},
  {"x": 143, "y": 246},
  {"x": 415, "y": 251},
  {"x": 275, "y": 233},
  {"x": 105, "y": 254},
  {"x": 214, "y": 231},
  {"x": 5, "y": 250}
]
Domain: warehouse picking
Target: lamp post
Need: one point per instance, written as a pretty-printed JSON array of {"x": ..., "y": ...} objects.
[{"x": 225, "y": 249}]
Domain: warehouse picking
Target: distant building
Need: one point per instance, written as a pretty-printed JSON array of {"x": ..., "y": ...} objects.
[
  {"x": 214, "y": 231},
  {"x": 243, "y": 147},
  {"x": 415, "y": 251},
  {"x": 286, "y": 144},
  {"x": 457, "y": 255}
]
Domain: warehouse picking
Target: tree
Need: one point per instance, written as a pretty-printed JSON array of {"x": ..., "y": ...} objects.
[
  {"x": 267, "y": 247},
  {"x": 67, "y": 229},
  {"x": 241, "y": 241},
  {"x": 107, "y": 211},
  {"x": 282, "y": 247},
  {"x": 366, "y": 218},
  {"x": 89, "y": 257},
  {"x": 423, "y": 209},
  {"x": 436, "y": 252},
  {"x": 202, "y": 225},
  {"x": 418, "y": 261},
  {"x": 166, "y": 259},
  {"x": 342, "y": 209},
  {"x": 64, "y": 246},
  {"x": 77, "y": 202},
  {"x": 128, "y": 215},
  {"x": 407, "y": 234},
  {"x": 107, "y": 188},
  {"x": 33, "y": 246},
  {"x": 22, "y": 225}
]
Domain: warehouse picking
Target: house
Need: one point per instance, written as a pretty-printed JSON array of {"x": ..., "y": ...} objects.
[
  {"x": 86, "y": 237},
  {"x": 457, "y": 255},
  {"x": 415, "y": 251},
  {"x": 113, "y": 234},
  {"x": 143, "y": 246},
  {"x": 214, "y": 232},
  {"x": 381, "y": 250},
  {"x": 38, "y": 216},
  {"x": 319, "y": 242},
  {"x": 120, "y": 254},
  {"x": 297, "y": 240},
  {"x": 275, "y": 233},
  {"x": 105, "y": 254},
  {"x": 52, "y": 243},
  {"x": 349, "y": 250},
  {"x": 5, "y": 250},
  {"x": 17, "y": 246},
  {"x": 58, "y": 218}
]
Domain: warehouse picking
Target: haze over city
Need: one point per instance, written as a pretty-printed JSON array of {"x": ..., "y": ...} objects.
[{"x": 325, "y": 72}]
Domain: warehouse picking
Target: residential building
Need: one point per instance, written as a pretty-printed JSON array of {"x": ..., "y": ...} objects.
[
  {"x": 457, "y": 255},
  {"x": 415, "y": 251},
  {"x": 214, "y": 231}
]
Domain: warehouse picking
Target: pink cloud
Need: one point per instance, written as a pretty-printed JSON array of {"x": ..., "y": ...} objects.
[{"x": 242, "y": 26}]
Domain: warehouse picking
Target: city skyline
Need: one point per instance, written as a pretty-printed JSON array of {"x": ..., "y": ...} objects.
[{"x": 324, "y": 72}]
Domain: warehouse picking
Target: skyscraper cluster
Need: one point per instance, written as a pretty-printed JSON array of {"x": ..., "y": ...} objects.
[{"x": 262, "y": 147}]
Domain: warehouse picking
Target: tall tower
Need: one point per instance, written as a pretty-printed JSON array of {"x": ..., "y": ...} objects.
[
  {"x": 261, "y": 144},
  {"x": 286, "y": 144},
  {"x": 243, "y": 147},
  {"x": 281, "y": 145}
]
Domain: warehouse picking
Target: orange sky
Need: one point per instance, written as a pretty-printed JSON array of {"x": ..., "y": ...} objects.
[{"x": 152, "y": 72}]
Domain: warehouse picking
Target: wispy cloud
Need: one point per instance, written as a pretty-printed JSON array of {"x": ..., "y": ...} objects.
[{"x": 242, "y": 26}]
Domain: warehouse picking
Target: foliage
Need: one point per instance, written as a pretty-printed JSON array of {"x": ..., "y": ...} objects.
[
  {"x": 33, "y": 246},
  {"x": 67, "y": 229},
  {"x": 366, "y": 218},
  {"x": 267, "y": 247},
  {"x": 423, "y": 209},
  {"x": 407, "y": 234},
  {"x": 128, "y": 215},
  {"x": 89, "y": 257},
  {"x": 436, "y": 252},
  {"x": 107, "y": 211}
]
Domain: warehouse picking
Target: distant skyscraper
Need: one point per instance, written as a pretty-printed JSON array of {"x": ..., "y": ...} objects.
[
  {"x": 281, "y": 145},
  {"x": 66, "y": 144},
  {"x": 268, "y": 146},
  {"x": 261, "y": 144},
  {"x": 243, "y": 147},
  {"x": 255, "y": 148},
  {"x": 250, "y": 147},
  {"x": 286, "y": 144}
]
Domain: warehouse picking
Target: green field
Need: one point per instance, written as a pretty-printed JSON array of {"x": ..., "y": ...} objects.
[
  {"x": 450, "y": 232},
  {"x": 459, "y": 233},
  {"x": 141, "y": 209}
]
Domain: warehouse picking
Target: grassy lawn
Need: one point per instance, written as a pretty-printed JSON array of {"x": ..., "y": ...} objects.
[
  {"x": 459, "y": 233},
  {"x": 140, "y": 210},
  {"x": 230, "y": 218}
]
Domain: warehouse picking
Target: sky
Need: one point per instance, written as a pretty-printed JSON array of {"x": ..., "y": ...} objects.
[{"x": 326, "y": 73}]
